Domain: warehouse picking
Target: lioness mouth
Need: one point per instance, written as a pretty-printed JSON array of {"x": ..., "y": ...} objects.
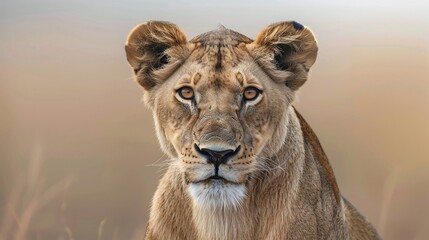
[{"x": 217, "y": 177}]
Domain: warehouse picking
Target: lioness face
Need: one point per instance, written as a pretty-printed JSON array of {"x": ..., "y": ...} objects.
[
  {"x": 220, "y": 100},
  {"x": 217, "y": 123}
]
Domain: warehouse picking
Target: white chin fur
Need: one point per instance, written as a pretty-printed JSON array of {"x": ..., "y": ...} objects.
[{"x": 217, "y": 194}]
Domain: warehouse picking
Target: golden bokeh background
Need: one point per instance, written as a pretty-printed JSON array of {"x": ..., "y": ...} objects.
[{"x": 79, "y": 158}]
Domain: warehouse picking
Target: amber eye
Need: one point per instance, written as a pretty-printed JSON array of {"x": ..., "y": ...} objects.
[
  {"x": 186, "y": 93},
  {"x": 251, "y": 93}
]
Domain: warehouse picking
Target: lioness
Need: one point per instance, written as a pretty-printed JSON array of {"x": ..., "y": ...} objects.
[{"x": 245, "y": 164}]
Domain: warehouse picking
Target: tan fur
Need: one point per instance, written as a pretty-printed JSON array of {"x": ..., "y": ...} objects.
[{"x": 279, "y": 183}]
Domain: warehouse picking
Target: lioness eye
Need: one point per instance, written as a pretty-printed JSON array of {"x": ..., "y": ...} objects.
[
  {"x": 251, "y": 93},
  {"x": 186, "y": 93}
]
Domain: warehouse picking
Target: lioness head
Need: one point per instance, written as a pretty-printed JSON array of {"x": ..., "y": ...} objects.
[{"x": 220, "y": 101}]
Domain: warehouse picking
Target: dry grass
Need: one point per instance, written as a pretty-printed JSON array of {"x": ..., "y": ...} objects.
[
  {"x": 30, "y": 195},
  {"x": 388, "y": 191}
]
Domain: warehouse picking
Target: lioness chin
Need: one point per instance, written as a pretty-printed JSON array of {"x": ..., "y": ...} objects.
[{"x": 245, "y": 163}]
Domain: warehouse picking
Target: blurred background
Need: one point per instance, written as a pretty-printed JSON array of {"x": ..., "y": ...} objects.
[{"x": 79, "y": 158}]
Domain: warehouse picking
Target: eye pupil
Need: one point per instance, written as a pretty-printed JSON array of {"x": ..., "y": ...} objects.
[{"x": 186, "y": 93}]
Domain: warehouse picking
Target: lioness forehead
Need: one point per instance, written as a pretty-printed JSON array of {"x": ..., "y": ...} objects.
[
  {"x": 221, "y": 36},
  {"x": 217, "y": 54}
]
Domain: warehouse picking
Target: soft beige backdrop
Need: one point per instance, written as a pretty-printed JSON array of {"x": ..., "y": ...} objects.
[{"x": 78, "y": 155}]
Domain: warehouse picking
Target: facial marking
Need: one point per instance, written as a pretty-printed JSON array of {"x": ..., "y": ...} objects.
[
  {"x": 240, "y": 78},
  {"x": 218, "y": 66},
  {"x": 196, "y": 78}
]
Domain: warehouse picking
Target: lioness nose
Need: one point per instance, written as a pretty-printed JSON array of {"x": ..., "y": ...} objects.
[{"x": 217, "y": 157}]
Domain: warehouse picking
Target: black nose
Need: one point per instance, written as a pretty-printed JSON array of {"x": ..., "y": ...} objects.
[{"x": 217, "y": 157}]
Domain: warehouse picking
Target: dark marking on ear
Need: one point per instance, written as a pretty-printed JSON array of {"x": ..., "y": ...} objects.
[
  {"x": 297, "y": 26},
  {"x": 280, "y": 58},
  {"x": 162, "y": 60},
  {"x": 158, "y": 51}
]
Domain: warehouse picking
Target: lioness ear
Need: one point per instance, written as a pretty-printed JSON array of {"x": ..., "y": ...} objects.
[
  {"x": 286, "y": 50},
  {"x": 148, "y": 47}
]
